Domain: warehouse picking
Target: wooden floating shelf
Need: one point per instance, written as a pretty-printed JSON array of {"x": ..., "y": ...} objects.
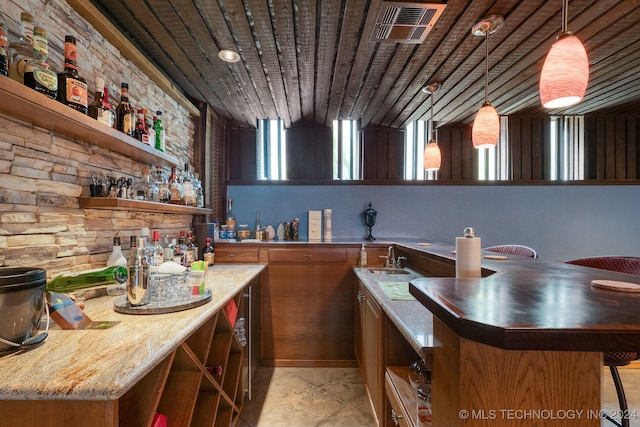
[
  {"x": 116, "y": 204},
  {"x": 26, "y": 104}
]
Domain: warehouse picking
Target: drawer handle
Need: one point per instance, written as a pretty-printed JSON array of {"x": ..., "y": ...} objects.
[
  {"x": 307, "y": 255},
  {"x": 361, "y": 297},
  {"x": 395, "y": 417},
  {"x": 231, "y": 255}
]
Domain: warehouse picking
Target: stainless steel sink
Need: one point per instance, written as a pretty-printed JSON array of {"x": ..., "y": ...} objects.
[{"x": 388, "y": 270}]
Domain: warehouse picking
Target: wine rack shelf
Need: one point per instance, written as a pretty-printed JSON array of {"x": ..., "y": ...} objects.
[
  {"x": 22, "y": 102},
  {"x": 116, "y": 204}
]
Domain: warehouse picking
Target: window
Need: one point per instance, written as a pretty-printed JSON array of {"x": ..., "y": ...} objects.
[
  {"x": 567, "y": 148},
  {"x": 346, "y": 150},
  {"x": 271, "y": 150},
  {"x": 415, "y": 136},
  {"x": 495, "y": 163}
]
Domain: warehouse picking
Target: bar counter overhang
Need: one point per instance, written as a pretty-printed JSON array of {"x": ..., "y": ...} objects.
[{"x": 528, "y": 337}]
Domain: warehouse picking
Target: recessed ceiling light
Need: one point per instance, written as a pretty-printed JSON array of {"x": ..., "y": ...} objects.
[{"x": 228, "y": 55}]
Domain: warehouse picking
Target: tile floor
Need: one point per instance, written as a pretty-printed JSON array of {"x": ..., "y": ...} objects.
[{"x": 335, "y": 397}]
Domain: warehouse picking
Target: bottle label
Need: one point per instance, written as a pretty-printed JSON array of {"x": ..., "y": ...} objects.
[
  {"x": 70, "y": 57},
  {"x": 160, "y": 140},
  {"x": 175, "y": 194},
  {"x": 40, "y": 45},
  {"x": 76, "y": 91},
  {"x": 4, "y": 41},
  {"x": 46, "y": 78},
  {"x": 128, "y": 123},
  {"x": 105, "y": 117}
]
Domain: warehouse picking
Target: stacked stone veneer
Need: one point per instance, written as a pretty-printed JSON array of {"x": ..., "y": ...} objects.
[{"x": 42, "y": 174}]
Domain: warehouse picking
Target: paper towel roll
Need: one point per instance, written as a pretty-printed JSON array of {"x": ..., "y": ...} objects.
[{"x": 468, "y": 255}]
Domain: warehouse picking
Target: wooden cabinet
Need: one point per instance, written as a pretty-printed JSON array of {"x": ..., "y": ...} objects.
[
  {"x": 370, "y": 343},
  {"x": 233, "y": 254},
  {"x": 308, "y": 306},
  {"x": 401, "y": 397}
]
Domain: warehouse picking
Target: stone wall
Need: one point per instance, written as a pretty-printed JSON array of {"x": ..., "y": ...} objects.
[{"x": 42, "y": 174}]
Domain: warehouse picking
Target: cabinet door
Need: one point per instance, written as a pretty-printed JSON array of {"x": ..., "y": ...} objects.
[
  {"x": 308, "y": 313},
  {"x": 373, "y": 333}
]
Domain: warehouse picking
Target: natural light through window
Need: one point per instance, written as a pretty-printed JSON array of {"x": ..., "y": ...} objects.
[
  {"x": 271, "y": 150},
  {"x": 346, "y": 150}
]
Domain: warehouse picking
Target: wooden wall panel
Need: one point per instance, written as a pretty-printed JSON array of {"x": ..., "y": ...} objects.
[
  {"x": 611, "y": 148},
  {"x": 309, "y": 153},
  {"x": 241, "y": 163},
  {"x": 383, "y": 153},
  {"x": 529, "y": 148}
]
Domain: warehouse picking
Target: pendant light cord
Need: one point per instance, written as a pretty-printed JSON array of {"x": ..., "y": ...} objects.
[
  {"x": 433, "y": 131},
  {"x": 565, "y": 19},
  {"x": 486, "y": 63}
]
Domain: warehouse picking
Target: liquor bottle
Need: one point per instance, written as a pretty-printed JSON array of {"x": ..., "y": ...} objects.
[
  {"x": 4, "y": 46},
  {"x": 169, "y": 247},
  {"x": 158, "y": 126},
  {"x": 125, "y": 116},
  {"x": 231, "y": 217},
  {"x": 175, "y": 188},
  {"x": 39, "y": 74},
  {"x": 88, "y": 278},
  {"x": 72, "y": 88},
  {"x": 156, "y": 252},
  {"x": 180, "y": 251},
  {"x": 148, "y": 124},
  {"x": 192, "y": 246},
  {"x": 116, "y": 257},
  {"x": 21, "y": 51},
  {"x": 161, "y": 182},
  {"x": 140, "y": 132},
  {"x": 109, "y": 105},
  {"x": 208, "y": 252},
  {"x": 100, "y": 109},
  {"x": 188, "y": 195}
]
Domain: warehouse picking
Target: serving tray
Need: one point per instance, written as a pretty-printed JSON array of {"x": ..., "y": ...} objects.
[{"x": 122, "y": 305}]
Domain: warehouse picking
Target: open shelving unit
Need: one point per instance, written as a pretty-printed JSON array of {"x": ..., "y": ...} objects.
[
  {"x": 26, "y": 104},
  {"x": 186, "y": 392},
  {"x": 116, "y": 204}
]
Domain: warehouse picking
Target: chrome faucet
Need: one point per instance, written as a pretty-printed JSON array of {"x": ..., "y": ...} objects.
[{"x": 390, "y": 259}]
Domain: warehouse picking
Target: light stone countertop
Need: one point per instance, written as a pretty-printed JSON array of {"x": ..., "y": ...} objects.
[
  {"x": 413, "y": 321},
  {"x": 95, "y": 364}
]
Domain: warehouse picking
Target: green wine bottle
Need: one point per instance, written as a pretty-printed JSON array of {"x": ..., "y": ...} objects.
[{"x": 88, "y": 279}]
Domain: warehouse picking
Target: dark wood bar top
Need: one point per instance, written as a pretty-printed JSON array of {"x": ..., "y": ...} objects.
[{"x": 530, "y": 304}]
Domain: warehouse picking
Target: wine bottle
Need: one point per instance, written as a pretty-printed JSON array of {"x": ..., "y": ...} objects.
[
  {"x": 87, "y": 279},
  {"x": 39, "y": 74},
  {"x": 72, "y": 88},
  {"x": 21, "y": 51}
]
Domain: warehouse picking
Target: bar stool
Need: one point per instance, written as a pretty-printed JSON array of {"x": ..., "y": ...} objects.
[
  {"x": 513, "y": 250},
  {"x": 630, "y": 265}
]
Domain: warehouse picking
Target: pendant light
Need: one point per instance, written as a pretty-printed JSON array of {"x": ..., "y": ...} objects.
[
  {"x": 565, "y": 73},
  {"x": 432, "y": 157},
  {"x": 486, "y": 125}
]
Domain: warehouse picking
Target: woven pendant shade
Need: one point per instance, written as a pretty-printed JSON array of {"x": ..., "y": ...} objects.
[
  {"x": 432, "y": 157},
  {"x": 565, "y": 73},
  {"x": 486, "y": 127}
]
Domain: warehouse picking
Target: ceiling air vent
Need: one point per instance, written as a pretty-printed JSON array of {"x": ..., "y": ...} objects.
[{"x": 400, "y": 22}]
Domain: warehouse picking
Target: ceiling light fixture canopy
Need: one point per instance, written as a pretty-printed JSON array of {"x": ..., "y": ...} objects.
[
  {"x": 228, "y": 55},
  {"x": 486, "y": 125},
  {"x": 565, "y": 73},
  {"x": 432, "y": 157}
]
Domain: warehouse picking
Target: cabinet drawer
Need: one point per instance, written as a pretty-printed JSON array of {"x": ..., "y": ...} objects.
[
  {"x": 399, "y": 393},
  {"x": 240, "y": 255},
  {"x": 314, "y": 254}
]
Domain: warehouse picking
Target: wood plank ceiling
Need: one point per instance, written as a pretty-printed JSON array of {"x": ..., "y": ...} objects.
[{"x": 310, "y": 62}]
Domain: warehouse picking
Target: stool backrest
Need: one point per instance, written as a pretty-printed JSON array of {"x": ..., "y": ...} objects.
[
  {"x": 513, "y": 250},
  {"x": 621, "y": 264}
]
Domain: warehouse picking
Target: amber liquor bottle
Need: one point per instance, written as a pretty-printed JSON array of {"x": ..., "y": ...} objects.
[
  {"x": 125, "y": 115},
  {"x": 39, "y": 74},
  {"x": 175, "y": 188},
  {"x": 72, "y": 88}
]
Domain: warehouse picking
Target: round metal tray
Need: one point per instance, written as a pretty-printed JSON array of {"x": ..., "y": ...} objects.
[{"x": 121, "y": 305}]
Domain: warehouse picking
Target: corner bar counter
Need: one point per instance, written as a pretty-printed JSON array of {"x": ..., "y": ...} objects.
[{"x": 523, "y": 345}]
